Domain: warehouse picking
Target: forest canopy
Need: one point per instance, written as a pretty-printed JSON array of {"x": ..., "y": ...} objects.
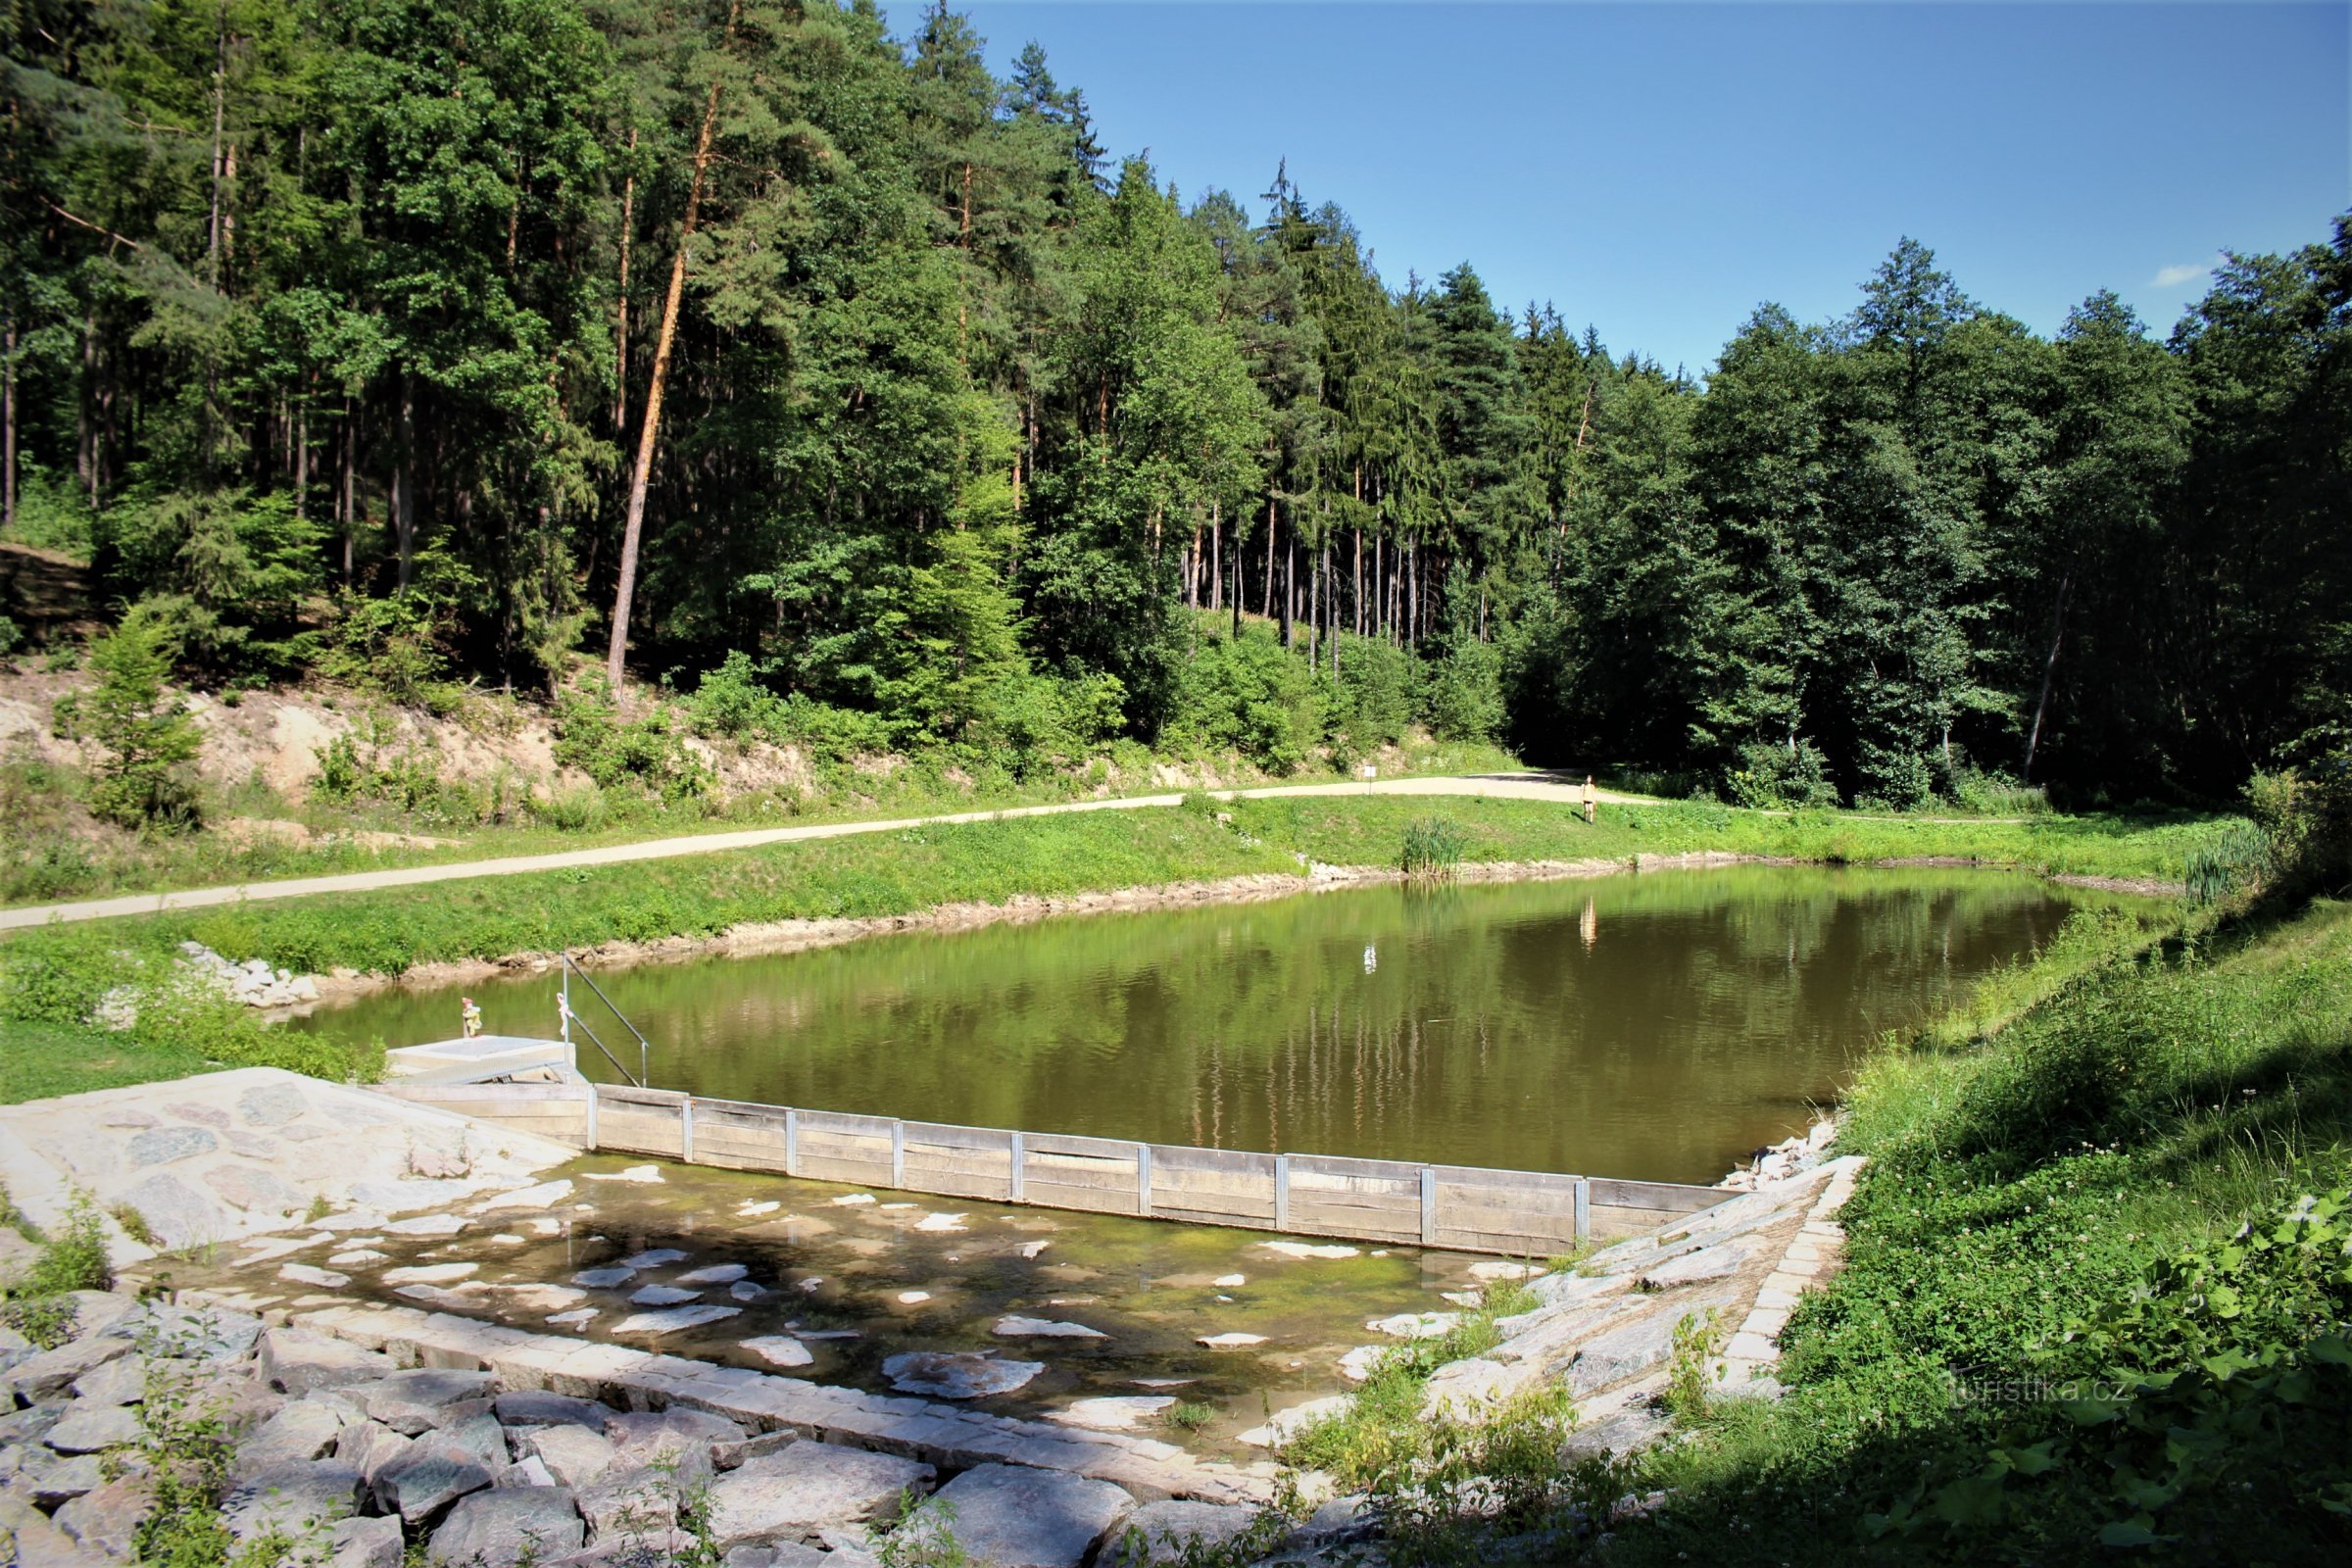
[{"x": 334, "y": 329}]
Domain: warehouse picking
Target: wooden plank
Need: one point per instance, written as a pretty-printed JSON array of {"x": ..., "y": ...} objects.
[
  {"x": 631, "y": 1095},
  {"x": 1238, "y": 1162},
  {"x": 1507, "y": 1244},
  {"x": 1673, "y": 1198},
  {"x": 849, "y": 1172},
  {"x": 1090, "y": 1200},
  {"x": 954, "y": 1135},
  {"x": 1085, "y": 1148},
  {"x": 844, "y": 1121},
  {"x": 1512, "y": 1181},
  {"x": 1543, "y": 1221},
  {"x": 1306, "y": 1168},
  {"x": 1612, "y": 1221},
  {"x": 1400, "y": 1225}
]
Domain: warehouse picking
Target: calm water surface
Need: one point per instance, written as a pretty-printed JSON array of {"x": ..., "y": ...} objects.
[{"x": 1656, "y": 1027}]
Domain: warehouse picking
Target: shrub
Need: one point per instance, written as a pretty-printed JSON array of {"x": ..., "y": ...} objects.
[
  {"x": 593, "y": 737},
  {"x": 393, "y": 647},
  {"x": 580, "y": 810},
  {"x": 1376, "y": 697},
  {"x": 2237, "y": 859},
  {"x": 1249, "y": 695},
  {"x": 1772, "y": 776},
  {"x": 143, "y": 729},
  {"x": 1433, "y": 848},
  {"x": 2306, "y": 813},
  {"x": 1996, "y": 793},
  {"x": 231, "y": 569},
  {"x": 731, "y": 704},
  {"x": 1462, "y": 700},
  {"x": 75, "y": 1259}
]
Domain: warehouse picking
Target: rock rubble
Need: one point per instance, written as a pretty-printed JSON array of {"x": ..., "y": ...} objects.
[{"x": 362, "y": 1462}]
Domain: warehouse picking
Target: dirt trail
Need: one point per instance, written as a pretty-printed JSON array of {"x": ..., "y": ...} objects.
[{"x": 1500, "y": 786}]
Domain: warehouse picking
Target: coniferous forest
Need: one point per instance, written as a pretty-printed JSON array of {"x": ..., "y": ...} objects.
[{"x": 461, "y": 338}]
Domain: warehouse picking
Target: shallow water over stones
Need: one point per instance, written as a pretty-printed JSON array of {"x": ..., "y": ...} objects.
[{"x": 1113, "y": 1313}]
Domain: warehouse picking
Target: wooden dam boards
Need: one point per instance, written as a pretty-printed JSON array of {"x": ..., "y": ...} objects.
[{"x": 1455, "y": 1207}]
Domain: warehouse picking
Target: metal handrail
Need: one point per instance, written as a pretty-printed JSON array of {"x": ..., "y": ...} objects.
[{"x": 643, "y": 1077}]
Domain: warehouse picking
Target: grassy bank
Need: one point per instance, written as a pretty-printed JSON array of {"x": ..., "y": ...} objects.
[
  {"x": 51, "y": 978},
  {"x": 2096, "y": 1300},
  {"x": 1366, "y": 830}
]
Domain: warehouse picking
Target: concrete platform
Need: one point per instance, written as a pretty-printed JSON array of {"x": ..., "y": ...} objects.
[{"x": 481, "y": 1059}]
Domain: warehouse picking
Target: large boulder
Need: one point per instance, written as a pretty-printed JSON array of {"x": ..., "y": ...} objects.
[
  {"x": 693, "y": 1440},
  {"x": 298, "y": 1361},
  {"x": 1169, "y": 1532},
  {"x": 428, "y": 1478},
  {"x": 574, "y": 1455},
  {"x": 1011, "y": 1516},
  {"x": 297, "y": 1433},
  {"x": 52, "y": 1372},
  {"x": 364, "y": 1543},
  {"x": 498, "y": 1529},
  {"x": 291, "y": 1499},
  {"x": 108, "y": 1519},
  {"x": 421, "y": 1399},
  {"x": 538, "y": 1407},
  {"x": 94, "y": 1427},
  {"x": 213, "y": 1336},
  {"x": 807, "y": 1488}
]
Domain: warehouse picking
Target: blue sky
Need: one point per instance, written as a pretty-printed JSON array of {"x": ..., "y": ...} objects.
[{"x": 1658, "y": 171}]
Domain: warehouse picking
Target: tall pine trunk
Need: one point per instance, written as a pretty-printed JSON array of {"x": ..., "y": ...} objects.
[
  {"x": 2049, "y": 672},
  {"x": 620, "y": 309},
  {"x": 7, "y": 426},
  {"x": 650, "y": 431},
  {"x": 403, "y": 480}
]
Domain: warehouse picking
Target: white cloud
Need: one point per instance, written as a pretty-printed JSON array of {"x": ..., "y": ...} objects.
[{"x": 2187, "y": 272}]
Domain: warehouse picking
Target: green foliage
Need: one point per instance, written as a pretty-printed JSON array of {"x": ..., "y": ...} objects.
[
  {"x": 1698, "y": 1339},
  {"x": 1249, "y": 695},
  {"x": 1462, "y": 698},
  {"x": 922, "y": 1536},
  {"x": 73, "y": 1258},
  {"x": 2235, "y": 862},
  {"x": 142, "y": 729},
  {"x": 1770, "y": 776},
  {"x": 579, "y": 808},
  {"x": 1996, "y": 793},
  {"x": 2305, "y": 813},
  {"x": 1433, "y": 849},
  {"x": 372, "y": 763},
  {"x": 644, "y": 752},
  {"x": 231, "y": 571},
  {"x": 1377, "y": 697},
  {"x": 392, "y": 648}
]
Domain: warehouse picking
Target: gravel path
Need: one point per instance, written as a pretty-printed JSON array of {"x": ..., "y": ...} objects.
[{"x": 1496, "y": 786}]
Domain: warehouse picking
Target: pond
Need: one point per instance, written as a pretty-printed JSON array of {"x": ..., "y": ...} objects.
[{"x": 1656, "y": 1027}]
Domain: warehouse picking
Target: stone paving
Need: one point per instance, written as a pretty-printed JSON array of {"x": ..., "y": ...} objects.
[
  {"x": 409, "y": 1437},
  {"x": 237, "y": 1154},
  {"x": 943, "y": 1435}
]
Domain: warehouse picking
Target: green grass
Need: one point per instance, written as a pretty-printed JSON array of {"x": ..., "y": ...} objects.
[
  {"x": 60, "y": 855},
  {"x": 40, "y": 1059},
  {"x": 1366, "y": 830},
  {"x": 2088, "y": 1307}
]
